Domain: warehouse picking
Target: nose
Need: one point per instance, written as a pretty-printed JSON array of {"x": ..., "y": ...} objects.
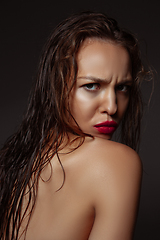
[{"x": 109, "y": 102}]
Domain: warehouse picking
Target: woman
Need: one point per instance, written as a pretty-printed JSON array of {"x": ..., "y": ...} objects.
[{"x": 61, "y": 176}]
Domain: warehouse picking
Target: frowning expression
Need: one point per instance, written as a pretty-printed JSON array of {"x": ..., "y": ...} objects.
[{"x": 101, "y": 94}]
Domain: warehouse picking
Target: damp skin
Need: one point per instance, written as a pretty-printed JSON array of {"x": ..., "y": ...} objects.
[{"x": 101, "y": 94}]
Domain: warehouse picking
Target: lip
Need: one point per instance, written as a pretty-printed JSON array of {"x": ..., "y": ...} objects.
[{"x": 107, "y": 127}]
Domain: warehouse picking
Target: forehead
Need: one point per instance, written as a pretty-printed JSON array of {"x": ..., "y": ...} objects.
[
  {"x": 93, "y": 45},
  {"x": 103, "y": 59}
]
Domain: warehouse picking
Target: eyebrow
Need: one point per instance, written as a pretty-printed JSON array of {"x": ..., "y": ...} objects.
[{"x": 101, "y": 80}]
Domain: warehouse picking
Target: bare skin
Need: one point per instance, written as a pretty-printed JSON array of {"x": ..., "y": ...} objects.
[
  {"x": 98, "y": 200},
  {"x": 100, "y": 195},
  {"x": 102, "y": 88}
]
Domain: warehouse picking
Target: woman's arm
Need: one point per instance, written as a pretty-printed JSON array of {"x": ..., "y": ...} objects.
[{"x": 116, "y": 188}]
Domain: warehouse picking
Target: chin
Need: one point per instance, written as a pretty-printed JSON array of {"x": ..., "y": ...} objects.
[{"x": 107, "y": 137}]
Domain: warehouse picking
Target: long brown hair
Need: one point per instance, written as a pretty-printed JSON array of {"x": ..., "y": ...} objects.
[{"x": 46, "y": 121}]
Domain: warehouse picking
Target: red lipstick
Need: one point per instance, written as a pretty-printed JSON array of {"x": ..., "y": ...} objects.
[{"x": 107, "y": 127}]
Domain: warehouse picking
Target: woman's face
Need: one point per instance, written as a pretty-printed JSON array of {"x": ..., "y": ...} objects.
[{"x": 101, "y": 94}]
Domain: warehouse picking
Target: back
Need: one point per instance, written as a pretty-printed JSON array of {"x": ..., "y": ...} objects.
[{"x": 99, "y": 197}]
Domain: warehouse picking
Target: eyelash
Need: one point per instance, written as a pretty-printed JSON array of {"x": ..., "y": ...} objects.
[
  {"x": 88, "y": 86},
  {"x": 127, "y": 88},
  {"x": 119, "y": 88}
]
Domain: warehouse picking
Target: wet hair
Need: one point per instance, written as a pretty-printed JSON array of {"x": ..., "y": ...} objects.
[{"x": 47, "y": 119}]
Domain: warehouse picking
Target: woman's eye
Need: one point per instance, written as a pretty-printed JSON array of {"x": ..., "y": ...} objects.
[
  {"x": 91, "y": 86},
  {"x": 123, "y": 88}
]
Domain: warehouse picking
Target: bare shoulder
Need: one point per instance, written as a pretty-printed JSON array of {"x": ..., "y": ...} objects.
[
  {"x": 114, "y": 175},
  {"x": 106, "y": 162},
  {"x": 106, "y": 154},
  {"x": 105, "y": 176}
]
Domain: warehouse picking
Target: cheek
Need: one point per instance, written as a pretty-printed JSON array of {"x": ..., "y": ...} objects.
[{"x": 82, "y": 107}]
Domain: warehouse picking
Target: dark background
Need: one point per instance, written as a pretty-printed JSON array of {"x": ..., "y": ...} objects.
[{"x": 25, "y": 25}]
